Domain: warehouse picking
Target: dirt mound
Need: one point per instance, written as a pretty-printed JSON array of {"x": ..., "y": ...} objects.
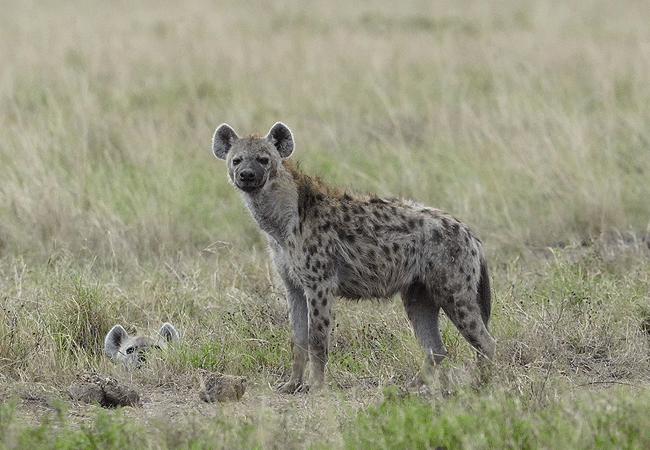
[{"x": 91, "y": 387}]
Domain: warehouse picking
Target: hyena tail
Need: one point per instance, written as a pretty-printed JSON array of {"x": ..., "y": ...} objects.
[{"x": 484, "y": 294}]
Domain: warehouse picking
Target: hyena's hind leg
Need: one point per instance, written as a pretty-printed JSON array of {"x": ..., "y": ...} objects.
[
  {"x": 423, "y": 312},
  {"x": 465, "y": 313}
]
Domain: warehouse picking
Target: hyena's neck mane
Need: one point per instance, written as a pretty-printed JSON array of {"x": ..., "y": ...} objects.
[{"x": 311, "y": 190}]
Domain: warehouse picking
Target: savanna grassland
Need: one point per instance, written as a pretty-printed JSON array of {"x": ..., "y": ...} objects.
[{"x": 529, "y": 120}]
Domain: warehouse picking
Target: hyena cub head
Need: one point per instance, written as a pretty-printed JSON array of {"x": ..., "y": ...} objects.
[
  {"x": 132, "y": 350},
  {"x": 252, "y": 161}
]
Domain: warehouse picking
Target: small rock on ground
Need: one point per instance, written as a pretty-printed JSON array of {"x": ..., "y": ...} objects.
[{"x": 216, "y": 387}]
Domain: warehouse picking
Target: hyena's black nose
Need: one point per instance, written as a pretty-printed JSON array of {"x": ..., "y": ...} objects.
[{"x": 247, "y": 175}]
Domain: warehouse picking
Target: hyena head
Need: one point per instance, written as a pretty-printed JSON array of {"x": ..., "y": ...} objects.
[
  {"x": 252, "y": 161},
  {"x": 132, "y": 350}
]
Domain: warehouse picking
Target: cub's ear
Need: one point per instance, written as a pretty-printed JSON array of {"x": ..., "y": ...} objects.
[
  {"x": 222, "y": 140},
  {"x": 281, "y": 136},
  {"x": 168, "y": 332},
  {"x": 114, "y": 340}
]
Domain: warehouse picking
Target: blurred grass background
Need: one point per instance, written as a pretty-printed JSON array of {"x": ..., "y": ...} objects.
[{"x": 528, "y": 120}]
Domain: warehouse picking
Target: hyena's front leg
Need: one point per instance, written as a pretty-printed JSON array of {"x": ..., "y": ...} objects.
[
  {"x": 319, "y": 302},
  {"x": 298, "y": 317}
]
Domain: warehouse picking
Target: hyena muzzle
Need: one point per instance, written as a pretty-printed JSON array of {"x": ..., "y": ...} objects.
[{"x": 327, "y": 242}]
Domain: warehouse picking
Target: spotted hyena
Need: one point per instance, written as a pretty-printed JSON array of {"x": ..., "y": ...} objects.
[
  {"x": 132, "y": 350},
  {"x": 327, "y": 242}
]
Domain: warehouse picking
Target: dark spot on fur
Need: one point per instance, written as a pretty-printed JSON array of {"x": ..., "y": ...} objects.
[
  {"x": 324, "y": 302},
  {"x": 473, "y": 325},
  {"x": 316, "y": 312},
  {"x": 346, "y": 218},
  {"x": 326, "y": 226},
  {"x": 378, "y": 200},
  {"x": 313, "y": 303},
  {"x": 411, "y": 224},
  {"x": 320, "y": 327},
  {"x": 473, "y": 252},
  {"x": 468, "y": 278},
  {"x": 395, "y": 247},
  {"x": 326, "y": 322},
  {"x": 377, "y": 214},
  {"x": 320, "y": 197},
  {"x": 347, "y": 197}
]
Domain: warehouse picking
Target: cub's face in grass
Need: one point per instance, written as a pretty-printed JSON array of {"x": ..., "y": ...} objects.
[{"x": 132, "y": 350}]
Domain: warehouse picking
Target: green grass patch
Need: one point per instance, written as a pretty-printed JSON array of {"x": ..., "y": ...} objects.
[{"x": 606, "y": 419}]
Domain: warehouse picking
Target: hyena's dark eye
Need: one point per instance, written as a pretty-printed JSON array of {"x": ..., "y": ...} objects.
[
  {"x": 236, "y": 161},
  {"x": 130, "y": 350},
  {"x": 263, "y": 160}
]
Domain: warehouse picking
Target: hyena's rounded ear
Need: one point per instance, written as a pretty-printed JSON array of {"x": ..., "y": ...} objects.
[
  {"x": 222, "y": 140},
  {"x": 281, "y": 136},
  {"x": 114, "y": 340},
  {"x": 169, "y": 333}
]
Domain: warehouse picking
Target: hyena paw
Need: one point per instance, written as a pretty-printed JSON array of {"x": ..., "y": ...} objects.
[{"x": 292, "y": 387}]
